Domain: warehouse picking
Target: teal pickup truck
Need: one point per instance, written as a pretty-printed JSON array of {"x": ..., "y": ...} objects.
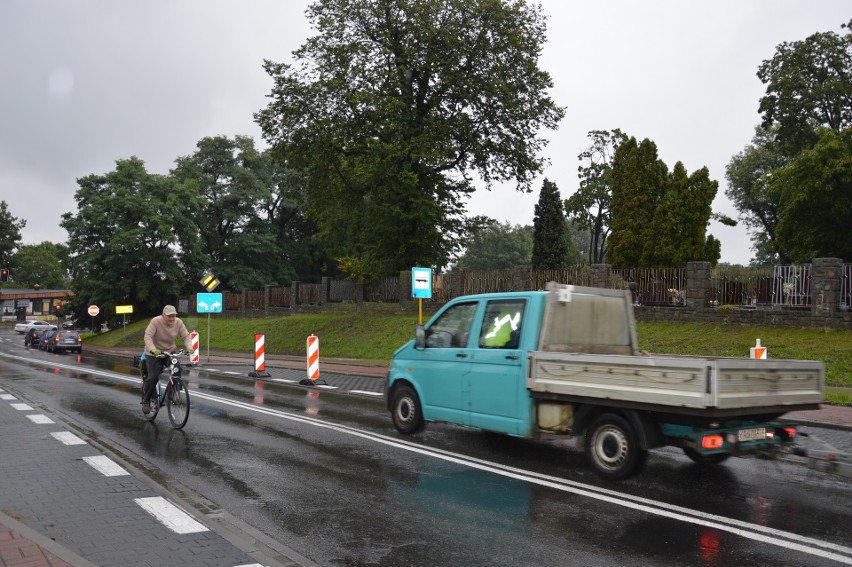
[{"x": 565, "y": 362}]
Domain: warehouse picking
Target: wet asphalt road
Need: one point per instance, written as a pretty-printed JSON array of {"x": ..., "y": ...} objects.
[{"x": 327, "y": 475}]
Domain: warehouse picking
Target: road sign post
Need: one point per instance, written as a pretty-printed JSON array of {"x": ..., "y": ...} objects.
[
  {"x": 93, "y": 311},
  {"x": 208, "y": 303},
  {"x": 421, "y": 286}
]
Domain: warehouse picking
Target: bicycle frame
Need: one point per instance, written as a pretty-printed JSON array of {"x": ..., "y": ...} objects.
[{"x": 170, "y": 390}]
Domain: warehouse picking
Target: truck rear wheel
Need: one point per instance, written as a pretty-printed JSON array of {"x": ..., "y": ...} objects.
[
  {"x": 705, "y": 460},
  {"x": 612, "y": 448},
  {"x": 405, "y": 410}
]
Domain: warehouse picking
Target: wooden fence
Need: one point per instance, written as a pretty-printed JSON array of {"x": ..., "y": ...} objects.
[{"x": 729, "y": 285}]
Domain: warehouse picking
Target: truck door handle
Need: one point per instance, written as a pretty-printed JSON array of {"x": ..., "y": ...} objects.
[
  {"x": 461, "y": 355},
  {"x": 511, "y": 357}
]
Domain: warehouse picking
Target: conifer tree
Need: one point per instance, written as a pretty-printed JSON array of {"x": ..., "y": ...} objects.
[{"x": 550, "y": 232}]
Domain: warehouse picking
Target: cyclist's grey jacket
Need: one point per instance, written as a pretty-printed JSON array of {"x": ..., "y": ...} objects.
[{"x": 161, "y": 336}]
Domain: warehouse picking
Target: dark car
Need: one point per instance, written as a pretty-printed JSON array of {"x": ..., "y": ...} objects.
[
  {"x": 32, "y": 337},
  {"x": 61, "y": 341},
  {"x": 43, "y": 340}
]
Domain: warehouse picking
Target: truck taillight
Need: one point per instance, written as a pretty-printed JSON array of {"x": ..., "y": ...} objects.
[
  {"x": 712, "y": 442},
  {"x": 791, "y": 432}
]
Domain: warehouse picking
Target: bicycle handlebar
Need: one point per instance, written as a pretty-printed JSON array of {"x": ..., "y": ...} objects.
[{"x": 178, "y": 352}]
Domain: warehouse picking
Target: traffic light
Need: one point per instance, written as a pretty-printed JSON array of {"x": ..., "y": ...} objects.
[{"x": 4, "y": 274}]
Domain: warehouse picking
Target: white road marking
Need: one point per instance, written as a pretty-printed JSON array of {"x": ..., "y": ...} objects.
[
  {"x": 365, "y": 392},
  {"x": 170, "y": 515},
  {"x": 283, "y": 380},
  {"x": 7, "y": 397},
  {"x": 39, "y": 418},
  {"x": 22, "y": 407},
  {"x": 756, "y": 532},
  {"x": 105, "y": 466},
  {"x": 67, "y": 438}
]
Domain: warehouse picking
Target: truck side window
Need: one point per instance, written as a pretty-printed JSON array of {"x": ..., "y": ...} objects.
[
  {"x": 452, "y": 328},
  {"x": 501, "y": 327}
]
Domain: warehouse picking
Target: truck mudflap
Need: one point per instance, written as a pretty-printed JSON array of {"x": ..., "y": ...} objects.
[{"x": 743, "y": 438}]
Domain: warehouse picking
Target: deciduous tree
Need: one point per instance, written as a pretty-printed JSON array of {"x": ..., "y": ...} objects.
[
  {"x": 133, "y": 240},
  {"x": 808, "y": 84},
  {"x": 10, "y": 234},
  {"x": 591, "y": 205},
  {"x": 748, "y": 174},
  {"x": 498, "y": 246},
  {"x": 41, "y": 264},
  {"x": 815, "y": 197},
  {"x": 393, "y": 105}
]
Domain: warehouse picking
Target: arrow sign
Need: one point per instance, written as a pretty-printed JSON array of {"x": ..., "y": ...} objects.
[{"x": 208, "y": 302}]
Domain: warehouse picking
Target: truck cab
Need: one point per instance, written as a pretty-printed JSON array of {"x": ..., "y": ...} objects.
[{"x": 468, "y": 364}]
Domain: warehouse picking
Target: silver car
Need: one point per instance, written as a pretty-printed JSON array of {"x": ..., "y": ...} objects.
[{"x": 25, "y": 326}]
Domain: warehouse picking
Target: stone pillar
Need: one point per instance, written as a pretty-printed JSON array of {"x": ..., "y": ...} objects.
[
  {"x": 826, "y": 276},
  {"x": 325, "y": 286},
  {"x": 404, "y": 289},
  {"x": 698, "y": 285},
  {"x": 522, "y": 278},
  {"x": 267, "y": 298},
  {"x": 601, "y": 275},
  {"x": 359, "y": 295},
  {"x": 294, "y": 295},
  {"x": 244, "y": 302}
]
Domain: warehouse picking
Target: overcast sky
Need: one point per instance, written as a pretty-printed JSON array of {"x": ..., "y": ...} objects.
[{"x": 89, "y": 82}]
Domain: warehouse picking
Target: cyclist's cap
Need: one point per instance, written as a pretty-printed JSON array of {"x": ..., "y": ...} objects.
[{"x": 169, "y": 310}]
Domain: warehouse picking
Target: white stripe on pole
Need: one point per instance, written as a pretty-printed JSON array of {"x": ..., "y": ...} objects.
[{"x": 259, "y": 363}]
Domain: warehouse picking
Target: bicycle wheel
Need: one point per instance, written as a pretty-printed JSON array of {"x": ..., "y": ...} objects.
[{"x": 177, "y": 402}]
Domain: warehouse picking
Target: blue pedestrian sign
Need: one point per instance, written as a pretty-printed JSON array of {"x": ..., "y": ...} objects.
[
  {"x": 421, "y": 283},
  {"x": 208, "y": 302}
]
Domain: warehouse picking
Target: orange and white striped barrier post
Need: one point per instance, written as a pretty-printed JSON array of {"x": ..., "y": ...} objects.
[
  {"x": 313, "y": 362},
  {"x": 196, "y": 351},
  {"x": 259, "y": 357},
  {"x": 757, "y": 351}
]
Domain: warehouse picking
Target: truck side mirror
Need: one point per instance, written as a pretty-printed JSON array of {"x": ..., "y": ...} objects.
[{"x": 419, "y": 336}]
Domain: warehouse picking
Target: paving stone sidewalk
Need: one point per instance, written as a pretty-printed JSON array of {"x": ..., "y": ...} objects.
[{"x": 64, "y": 502}]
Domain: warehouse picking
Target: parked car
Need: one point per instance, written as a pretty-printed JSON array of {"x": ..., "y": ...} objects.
[
  {"x": 42, "y": 343},
  {"x": 32, "y": 337},
  {"x": 61, "y": 341},
  {"x": 25, "y": 326}
]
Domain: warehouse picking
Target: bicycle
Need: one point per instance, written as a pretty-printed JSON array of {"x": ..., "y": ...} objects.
[{"x": 175, "y": 395}]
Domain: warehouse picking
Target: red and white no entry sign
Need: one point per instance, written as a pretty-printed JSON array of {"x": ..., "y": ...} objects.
[{"x": 94, "y": 310}]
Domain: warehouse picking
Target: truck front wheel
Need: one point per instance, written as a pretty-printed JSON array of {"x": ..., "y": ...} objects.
[
  {"x": 405, "y": 410},
  {"x": 612, "y": 448}
]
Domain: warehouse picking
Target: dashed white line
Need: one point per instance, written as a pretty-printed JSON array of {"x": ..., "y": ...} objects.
[
  {"x": 170, "y": 515},
  {"x": 365, "y": 393},
  {"x": 105, "y": 466},
  {"x": 22, "y": 407},
  {"x": 39, "y": 418},
  {"x": 67, "y": 438},
  {"x": 7, "y": 397}
]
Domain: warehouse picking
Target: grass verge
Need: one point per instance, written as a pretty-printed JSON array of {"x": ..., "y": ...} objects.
[{"x": 372, "y": 338}]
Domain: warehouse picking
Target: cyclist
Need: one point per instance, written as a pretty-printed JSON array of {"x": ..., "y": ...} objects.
[{"x": 160, "y": 337}]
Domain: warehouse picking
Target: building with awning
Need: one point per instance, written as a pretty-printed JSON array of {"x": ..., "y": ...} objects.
[{"x": 21, "y": 303}]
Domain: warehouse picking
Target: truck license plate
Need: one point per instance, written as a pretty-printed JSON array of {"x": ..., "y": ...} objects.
[{"x": 751, "y": 434}]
